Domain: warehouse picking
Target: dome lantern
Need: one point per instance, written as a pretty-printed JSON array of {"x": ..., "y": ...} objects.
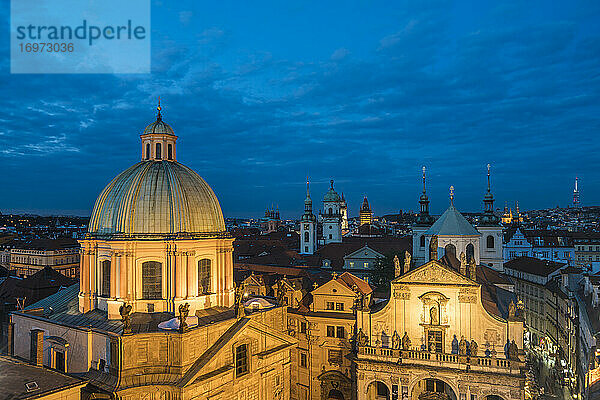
[{"x": 158, "y": 140}]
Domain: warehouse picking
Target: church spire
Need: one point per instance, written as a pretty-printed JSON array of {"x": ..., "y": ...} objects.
[
  {"x": 308, "y": 200},
  {"x": 489, "y": 218},
  {"x": 424, "y": 218}
]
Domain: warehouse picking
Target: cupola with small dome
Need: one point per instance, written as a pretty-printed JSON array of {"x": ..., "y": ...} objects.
[{"x": 156, "y": 237}]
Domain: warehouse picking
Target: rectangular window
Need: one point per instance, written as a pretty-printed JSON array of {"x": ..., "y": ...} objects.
[
  {"x": 151, "y": 280},
  {"x": 59, "y": 360},
  {"x": 330, "y": 331},
  {"x": 366, "y": 265},
  {"x": 435, "y": 337},
  {"x": 339, "y": 306},
  {"x": 330, "y": 305},
  {"x": 303, "y": 360},
  {"x": 204, "y": 276},
  {"x": 340, "y": 332},
  {"x": 105, "y": 278},
  {"x": 335, "y": 357},
  {"x": 241, "y": 360},
  {"x": 302, "y": 327}
]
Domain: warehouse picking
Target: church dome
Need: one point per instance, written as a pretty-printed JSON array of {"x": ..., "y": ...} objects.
[
  {"x": 157, "y": 199},
  {"x": 331, "y": 194},
  {"x": 159, "y": 126}
]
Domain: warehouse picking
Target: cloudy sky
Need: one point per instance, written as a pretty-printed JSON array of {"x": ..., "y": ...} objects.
[{"x": 264, "y": 93}]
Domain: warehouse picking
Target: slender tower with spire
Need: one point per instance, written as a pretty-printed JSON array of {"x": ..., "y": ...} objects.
[
  {"x": 308, "y": 226},
  {"x": 344, "y": 214},
  {"x": 490, "y": 247},
  {"x": 423, "y": 222},
  {"x": 576, "y": 194}
]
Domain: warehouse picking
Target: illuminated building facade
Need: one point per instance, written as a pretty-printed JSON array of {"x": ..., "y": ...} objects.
[
  {"x": 438, "y": 337},
  {"x": 365, "y": 213},
  {"x": 332, "y": 217},
  {"x": 156, "y": 310}
]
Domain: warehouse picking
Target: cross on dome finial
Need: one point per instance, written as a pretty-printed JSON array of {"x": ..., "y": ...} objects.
[
  {"x": 158, "y": 116},
  {"x": 331, "y": 184},
  {"x": 451, "y": 195},
  {"x": 307, "y": 183},
  {"x": 488, "y": 167},
  {"x": 423, "y": 179}
]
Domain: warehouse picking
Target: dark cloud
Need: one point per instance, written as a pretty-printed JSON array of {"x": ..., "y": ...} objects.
[{"x": 518, "y": 91}]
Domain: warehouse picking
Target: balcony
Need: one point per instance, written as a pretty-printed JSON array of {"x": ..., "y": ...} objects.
[{"x": 446, "y": 360}]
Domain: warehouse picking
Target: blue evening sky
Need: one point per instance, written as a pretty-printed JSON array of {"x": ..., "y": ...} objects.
[{"x": 264, "y": 93}]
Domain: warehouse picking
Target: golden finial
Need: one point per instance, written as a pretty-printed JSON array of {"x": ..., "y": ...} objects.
[
  {"x": 159, "y": 116},
  {"x": 451, "y": 195}
]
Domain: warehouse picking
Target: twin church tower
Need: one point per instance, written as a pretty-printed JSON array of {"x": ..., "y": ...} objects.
[
  {"x": 334, "y": 220},
  {"x": 450, "y": 234}
]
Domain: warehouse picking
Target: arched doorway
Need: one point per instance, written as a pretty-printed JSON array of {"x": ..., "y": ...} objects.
[
  {"x": 432, "y": 389},
  {"x": 335, "y": 394},
  {"x": 378, "y": 391}
]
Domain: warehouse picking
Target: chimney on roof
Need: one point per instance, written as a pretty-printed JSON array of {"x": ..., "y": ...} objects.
[{"x": 36, "y": 350}]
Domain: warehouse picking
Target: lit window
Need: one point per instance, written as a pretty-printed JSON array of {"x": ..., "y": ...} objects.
[
  {"x": 339, "y": 306},
  {"x": 241, "y": 360},
  {"x": 340, "y": 332},
  {"x": 330, "y": 305},
  {"x": 203, "y": 276}
]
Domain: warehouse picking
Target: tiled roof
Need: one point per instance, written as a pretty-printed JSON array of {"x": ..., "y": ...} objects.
[
  {"x": 452, "y": 223},
  {"x": 533, "y": 265},
  {"x": 15, "y": 374},
  {"x": 47, "y": 244},
  {"x": 350, "y": 280}
]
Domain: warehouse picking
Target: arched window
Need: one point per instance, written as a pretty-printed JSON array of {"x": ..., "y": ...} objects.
[
  {"x": 158, "y": 150},
  {"x": 204, "y": 276},
  {"x": 105, "y": 271},
  {"x": 151, "y": 280},
  {"x": 450, "y": 250},
  {"x": 470, "y": 252},
  {"x": 169, "y": 151},
  {"x": 306, "y": 237},
  {"x": 422, "y": 241},
  {"x": 330, "y": 211},
  {"x": 147, "y": 151},
  {"x": 490, "y": 242}
]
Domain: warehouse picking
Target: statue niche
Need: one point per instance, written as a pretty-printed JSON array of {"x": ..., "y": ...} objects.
[{"x": 434, "y": 306}]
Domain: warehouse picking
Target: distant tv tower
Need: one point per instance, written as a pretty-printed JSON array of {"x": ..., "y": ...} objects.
[{"x": 576, "y": 195}]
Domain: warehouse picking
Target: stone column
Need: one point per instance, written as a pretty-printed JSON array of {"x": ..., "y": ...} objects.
[
  {"x": 192, "y": 278},
  {"x": 123, "y": 275},
  {"x": 180, "y": 276}
]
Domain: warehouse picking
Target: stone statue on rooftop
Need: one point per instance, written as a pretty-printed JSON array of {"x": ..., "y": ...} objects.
[
  {"x": 125, "y": 311},
  {"x": 184, "y": 311}
]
